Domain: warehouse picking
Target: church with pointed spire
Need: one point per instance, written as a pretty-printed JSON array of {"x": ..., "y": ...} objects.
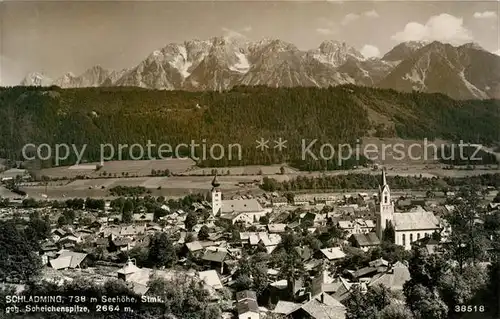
[
  {"x": 408, "y": 226},
  {"x": 247, "y": 211},
  {"x": 385, "y": 211}
]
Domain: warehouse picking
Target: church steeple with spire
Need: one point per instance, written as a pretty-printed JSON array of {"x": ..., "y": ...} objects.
[
  {"x": 216, "y": 196},
  {"x": 385, "y": 212},
  {"x": 215, "y": 182}
]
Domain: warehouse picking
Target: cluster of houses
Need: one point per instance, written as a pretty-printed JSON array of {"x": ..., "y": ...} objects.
[{"x": 68, "y": 251}]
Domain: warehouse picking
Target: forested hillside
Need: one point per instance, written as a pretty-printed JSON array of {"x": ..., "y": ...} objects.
[{"x": 243, "y": 115}]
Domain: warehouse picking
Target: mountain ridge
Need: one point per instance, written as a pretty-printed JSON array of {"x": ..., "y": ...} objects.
[{"x": 221, "y": 63}]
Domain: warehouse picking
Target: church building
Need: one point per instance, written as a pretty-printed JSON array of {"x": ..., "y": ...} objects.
[
  {"x": 408, "y": 226},
  {"x": 248, "y": 211}
]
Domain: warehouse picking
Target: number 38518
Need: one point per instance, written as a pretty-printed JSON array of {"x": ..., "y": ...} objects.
[{"x": 469, "y": 308}]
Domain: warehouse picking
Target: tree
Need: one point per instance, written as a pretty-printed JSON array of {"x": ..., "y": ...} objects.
[
  {"x": 243, "y": 282},
  {"x": 18, "y": 262},
  {"x": 369, "y": 305},
  {"x": 203, "y": 234},
  {"x": 127, "y": 216},
  {"x": 62, "y": 220},
  {"x": 161, "y": 251},
  {"x": 282, "y": 170},
  {"x": 425, "y": 303},
  {"x": 184, "y": 298},
  {"x": 468, "y": 240},
  {"x": 421, "y": 291},
  {"x": 389, "y": 233},
  {"x": 264, "y": 220},
  {"x": 191, "y": 221}
]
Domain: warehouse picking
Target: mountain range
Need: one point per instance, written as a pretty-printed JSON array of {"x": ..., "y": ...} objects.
[{"x": 461, "y": 72}]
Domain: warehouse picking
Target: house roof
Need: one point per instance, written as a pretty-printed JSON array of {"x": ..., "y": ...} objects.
[
  {"x": 67, "y": 259},
  {"x": 216, "y": 256},
  {"x": 393, "y": 279},
  {"x": 129, "y": 268},
  {"x": 194, "y": 246},
  {"x": 60, "y": 262},
  {"x": 369, "y": 239},
  {"x": 333, "y": 253},
  {"x": 276, "y": 228},
  {"x": 318, "y": 310},
  {"x": 132, "y": 230},
  {"x": 364, "y": 271},
  {"x": 246, "y": 294},
  {"x": 241, "y": 206},
  {"x": 211, "y": 278},
  {"x": 379, "y": 262},
  {"x": 415, "y": 219},
  {"x": 286, "y": 307}
]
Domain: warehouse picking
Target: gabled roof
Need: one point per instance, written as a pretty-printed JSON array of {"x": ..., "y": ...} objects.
[
  {"x": 128, "y": 269},
  {"x": 211, "y": 278},
  {"x": 67, "y": 259},
  {"x": 333, "y": 253},
  {"x": 246, "y": 294},
  {"x": 215, "y": 256},
  {"x": 194, "y": 246},
  {"x": 286, "y": 307},
  {"x": 393, "y": 279},
  {"x": 241, "y": 206},
  {"x": 318, "y": 310},
  {"x": 415, "y": 220},
  {"x": 369, "y": 239}
]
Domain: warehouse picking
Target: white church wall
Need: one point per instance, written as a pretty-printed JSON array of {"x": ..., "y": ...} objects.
[{"x": 410, "y": 236}]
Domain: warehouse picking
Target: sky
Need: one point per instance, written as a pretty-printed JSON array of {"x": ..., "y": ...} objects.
[{"x": 56, "y": 37}]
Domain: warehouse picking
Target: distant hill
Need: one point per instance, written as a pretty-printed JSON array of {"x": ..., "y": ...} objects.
[{"x": 242, "y": 115}]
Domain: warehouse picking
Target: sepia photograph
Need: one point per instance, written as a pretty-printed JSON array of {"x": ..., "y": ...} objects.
[{"x": 213, "y": 159}]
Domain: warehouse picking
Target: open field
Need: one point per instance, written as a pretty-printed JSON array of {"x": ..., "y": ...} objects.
[
  {"x": 119, "y": 168},
  {"x": 176, "y": 186},
  {"x": 244, "y": 170}
]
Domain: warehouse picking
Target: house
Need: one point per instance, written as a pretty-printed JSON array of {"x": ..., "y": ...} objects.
[
  {"x": 119, "y": 244},
  {"x": 276, "y": 228},
  {"x": 69, "y": 259},
  {"x": 211, "y": 278},
  {"x": 365, "y": 241},
  {"x": 333, "y": 253},
  {"x": 321, "y": 306},
  {"x": 132, "y": 230},
  {"x": 356, "y": 226},
  {"x": 279, "y": 201},
  {"x": 246, "y": 305},
  {"x": 301, "y": 200},
  {"x": 215, "y": 259},
  {"x": 394, "y": 278}
]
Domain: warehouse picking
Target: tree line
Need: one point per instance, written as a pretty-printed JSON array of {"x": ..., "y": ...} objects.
[{"x": 336, "y": 115}]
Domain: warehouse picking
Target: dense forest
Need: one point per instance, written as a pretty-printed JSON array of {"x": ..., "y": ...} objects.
[
  {"x": 369, "y": 181},
  {"x": 338, "y": 115}
]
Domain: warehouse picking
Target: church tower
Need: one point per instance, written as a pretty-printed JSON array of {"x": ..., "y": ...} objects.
[
  {"x": 386, "y": 206},
  {"x": 216, "y": 196}
]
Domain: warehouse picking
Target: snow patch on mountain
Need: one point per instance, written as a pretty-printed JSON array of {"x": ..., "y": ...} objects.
[
  {"x": 242, "y": 65},
  {"x": 181, "y": 62}
]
